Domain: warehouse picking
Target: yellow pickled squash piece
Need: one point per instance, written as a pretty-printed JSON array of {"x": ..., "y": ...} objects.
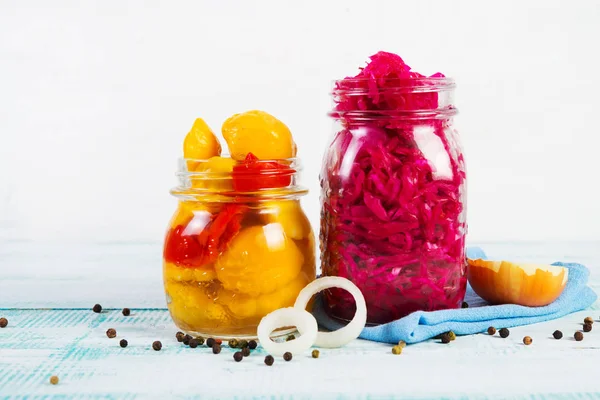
[
  {"x": 200, "y": 143},
  {"x": 239, "y": 304},
  {"x": 289, "y": 214},
  {"x": 259, "y": 260},
  {"x": 259, "y": 133},
  {"x": 188, "y": 210},
  {"x": 172, "y": 272},
  {"x": 283, "y": 297},
  {"x": 193, "y": 305},
  {"x": 221, "y": 166}
]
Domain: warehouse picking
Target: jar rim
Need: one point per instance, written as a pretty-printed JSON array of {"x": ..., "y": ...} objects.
[
  {"x": 420, "y": 84},
  {"x": 219, "y": 184}
]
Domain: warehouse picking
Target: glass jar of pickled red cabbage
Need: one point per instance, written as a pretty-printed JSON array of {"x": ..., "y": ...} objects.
[
  {"x": 393, "y": 198},
  {"x": 238, "y": 246}
]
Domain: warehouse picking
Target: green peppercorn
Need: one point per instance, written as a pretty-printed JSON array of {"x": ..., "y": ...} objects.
[
  {"x": 210, "y": 342},
  {"x": 238, "y": 356},
  {"x": 588, "y": 320},
  {"x": 290, "y": 337},
  {"x": 123, "y": 343},
  {"x": 242, "y": 343},
  {"x": 578, "y": 336},
  {"x": 557, "y": 335},
  {"x": 445, "y": 338},
  {"x": 193, "y": 343},
  {"x": 452, "y": 336},
  {"x": 157, "y": 345},
  {"x": 402, "y": 344},
  {"x": 54, "y": 380},
  {"x": 315, "y": 353},
  {"x": 269, "y": 360},
  {"x": 465, "y": 305},
  {"x": 287, "y": 356},
  {"x": 246, "y": 351},
  {"x": 587, "y": 327},
  {"x": 252, "y": 344},
  {"x": 200, "y": 340},
  {"x": 491, "y": 330},
  {"x": 527, "y": 340},
  {"x": 396, "y": 350},
  {"x": 216, "y": 349},
  {"x": 233, "y": 343},
  {"x": 504, "y": 332}
]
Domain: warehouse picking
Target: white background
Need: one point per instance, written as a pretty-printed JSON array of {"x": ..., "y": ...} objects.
[{"x": 96, "y": 97}]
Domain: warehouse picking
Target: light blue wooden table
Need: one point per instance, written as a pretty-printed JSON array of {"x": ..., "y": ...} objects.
[{"x": 47, "y": 291}]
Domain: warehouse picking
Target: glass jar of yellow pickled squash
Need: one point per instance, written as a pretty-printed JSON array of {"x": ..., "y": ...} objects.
[{"x": 239, "y": 245}]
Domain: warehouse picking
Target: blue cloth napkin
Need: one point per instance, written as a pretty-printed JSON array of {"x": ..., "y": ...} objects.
[{"x": 420, "y": 325}]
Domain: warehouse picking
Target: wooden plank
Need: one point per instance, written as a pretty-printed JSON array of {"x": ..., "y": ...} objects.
[{"x": 73, "y": 345}]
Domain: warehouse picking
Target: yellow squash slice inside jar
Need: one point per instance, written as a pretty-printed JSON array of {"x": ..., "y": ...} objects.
[
  {"x": 289, "y": 214},
  {"x": 259, "y": 260},
  {"x": 192, "y": 306},
  {"x": 218, "y": 170}
]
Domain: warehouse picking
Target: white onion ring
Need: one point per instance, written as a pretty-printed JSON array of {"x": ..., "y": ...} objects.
[
  {"x": 289, "y": 316},
  {"x": 349, "y": 332}
]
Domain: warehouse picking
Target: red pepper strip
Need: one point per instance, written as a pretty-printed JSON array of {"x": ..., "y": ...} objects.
[
  {"x": 197, "y": 250},
  {"x": 253, "y": 175},
  {"x": 181, "y": 249},
  {"x": 217, "y": 234}
]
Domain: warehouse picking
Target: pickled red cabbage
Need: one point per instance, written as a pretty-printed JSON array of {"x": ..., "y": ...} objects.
[{"x": 393, "y": 218}]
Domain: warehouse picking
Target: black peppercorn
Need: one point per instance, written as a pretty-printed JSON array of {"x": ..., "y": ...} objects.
[
  {"x": 491, "y": 330},
  {"x": 123, "y": 343},
  {"x": 588, "y": 320},
  {"x": 578, "y": 336},
  {"x": 287, "y": 356},
  {"x": 3, "y": 322},
  {"x": 210, "y": 342},
  {"x": 186, "y": 339},
  {"x": 97, "y": 308},
  {"x": 216, "y": 348},
  {"x": 557, "y": 334},
  {"x": 111, "y": 333},
  {"x": 252, "y": 344},
  {"x": 504, "y": 333},
  {"x": 237, "y": 356},
  {"x": 157, "y": 345},
  {"x": 233, "y": 343},
  {"x": 242, "y": 344},
  {"x": 194, "y": 343},
  {"x": 465, "y": 305},
  {"x": 315, "y": 353},
  {"x": 527, "y": 340},
  {"x": 246, "y": 351},
  {"x": 126, "y": 312},
  {"x": 179, "y": 336},
  {"x": 290, "y": 337},
  {"x": 445, "y": 338},
  {"x": 269, "y": 360},
  {"x": 587, "y": 327}
]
